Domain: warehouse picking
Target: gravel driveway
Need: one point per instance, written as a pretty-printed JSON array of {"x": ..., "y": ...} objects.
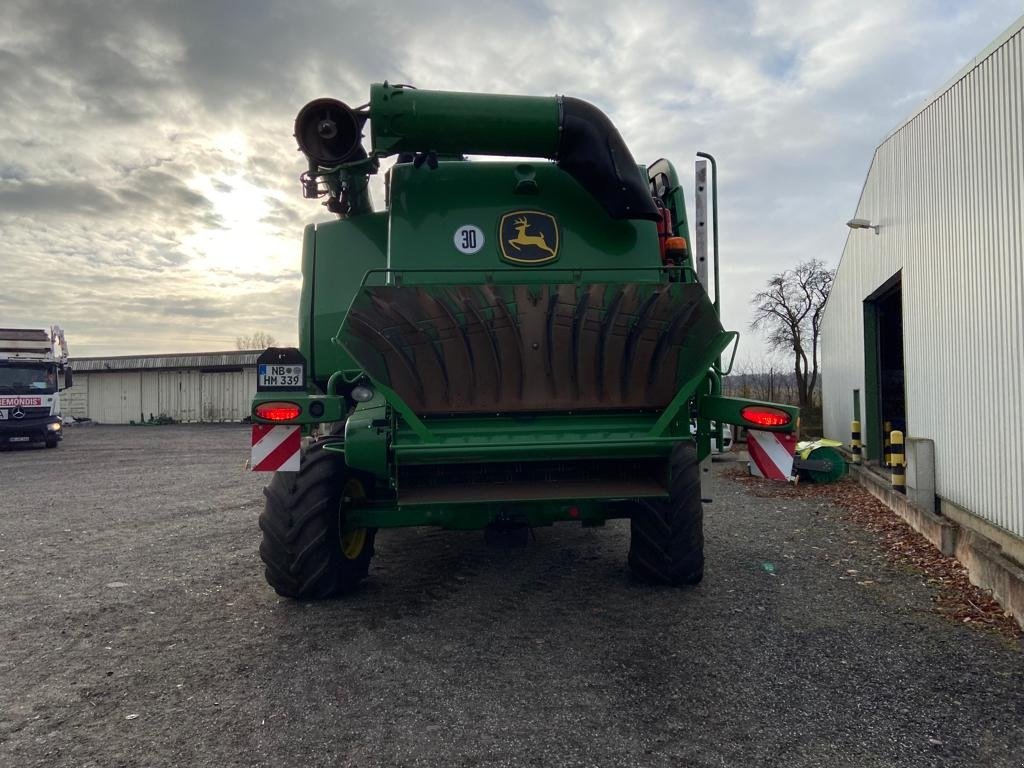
[{"x": 136, "y": 630}]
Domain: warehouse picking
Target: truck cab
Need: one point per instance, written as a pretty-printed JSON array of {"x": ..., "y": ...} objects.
[{"x": 33, "y": 371}]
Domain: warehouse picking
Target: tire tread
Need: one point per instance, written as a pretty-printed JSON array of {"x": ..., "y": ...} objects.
[
  {"x": 301, "y": 550},
  {"x": 667, "y": 535}
]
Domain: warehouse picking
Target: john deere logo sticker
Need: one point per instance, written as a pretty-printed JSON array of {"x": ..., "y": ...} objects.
[{"x": 528, "y": 237}]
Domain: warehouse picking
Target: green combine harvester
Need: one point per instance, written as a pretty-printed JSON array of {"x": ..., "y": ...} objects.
[{"x": 507, "y": 345}]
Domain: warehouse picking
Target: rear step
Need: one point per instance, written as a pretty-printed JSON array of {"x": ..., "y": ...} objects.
[
  {"x": 625, "y": 489},
  {"x": 532, "y": 481}
]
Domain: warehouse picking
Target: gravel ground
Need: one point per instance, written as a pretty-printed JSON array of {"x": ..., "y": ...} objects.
[{"x": 137, "y": 630}]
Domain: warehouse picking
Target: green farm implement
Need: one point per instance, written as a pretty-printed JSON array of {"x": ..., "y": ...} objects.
[{"x": 507, "y": 344}]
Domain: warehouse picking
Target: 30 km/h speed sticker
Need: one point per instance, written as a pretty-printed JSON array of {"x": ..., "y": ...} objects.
[
  {"x": 291, "y": 376},
  {"x": 469, "y": 239}
]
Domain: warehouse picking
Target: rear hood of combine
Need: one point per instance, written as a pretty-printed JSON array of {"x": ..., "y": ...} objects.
[{"x": 532, "y": 348}]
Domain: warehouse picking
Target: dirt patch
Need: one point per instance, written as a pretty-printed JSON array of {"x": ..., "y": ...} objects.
[{"x": 955, "y": 597}]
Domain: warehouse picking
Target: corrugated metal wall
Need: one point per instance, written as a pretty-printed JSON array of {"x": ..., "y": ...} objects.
[
  {"x": 947, "y": 189},
  {"x": 185, "y": 395},
  {"x": 114, "y": 398},
  {"x": 75, "y": 401}
]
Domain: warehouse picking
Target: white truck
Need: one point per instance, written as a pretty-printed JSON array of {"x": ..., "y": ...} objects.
[{"x": 33, "y": 370}]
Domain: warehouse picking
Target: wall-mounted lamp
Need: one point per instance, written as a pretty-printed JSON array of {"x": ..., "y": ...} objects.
[{"x": 862, "y": 224}]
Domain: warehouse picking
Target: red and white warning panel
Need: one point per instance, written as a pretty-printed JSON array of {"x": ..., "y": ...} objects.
[
  {"x": 275, "y": 447},
  {"x": 771, "y": 453}
]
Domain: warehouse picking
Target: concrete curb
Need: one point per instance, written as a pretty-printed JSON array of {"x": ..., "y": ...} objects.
[
  {"x": 987, "y": 566},
  {"x": 938, "y": 530}
]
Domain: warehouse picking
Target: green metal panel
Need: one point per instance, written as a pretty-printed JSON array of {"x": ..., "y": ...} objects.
[
  {"x": 306, "y": 319},
  {"x": 526, "y": 437},
  {"x": 696, "y": 369},
  {"x": 366, "y": 445},
  {"x": 729, "y": 410},
  {"x": 428, "y": 206},
  {"x": 410, "y": 120},
  {"x": 468, "y": 516},
  {"x": 343, "y": 251}
]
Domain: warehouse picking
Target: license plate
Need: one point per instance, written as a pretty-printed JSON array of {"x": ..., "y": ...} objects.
[
  {"x": 19, "y": 439},
  {"x": 270, "y": 375}
]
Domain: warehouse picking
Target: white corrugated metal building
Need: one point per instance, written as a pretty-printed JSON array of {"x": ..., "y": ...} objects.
[
  {"x": 925, "y": 324},
  {"x": 197, "y": 387}
]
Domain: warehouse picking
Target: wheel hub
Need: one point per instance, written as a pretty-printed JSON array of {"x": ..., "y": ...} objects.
[{"x": 352, "y": 542}]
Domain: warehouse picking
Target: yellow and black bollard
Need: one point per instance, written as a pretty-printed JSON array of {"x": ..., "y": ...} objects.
[
  {"x": 887, "y": 444},
  {"x": 899, "y": 478},
  {"x": 855, "y": 441}
]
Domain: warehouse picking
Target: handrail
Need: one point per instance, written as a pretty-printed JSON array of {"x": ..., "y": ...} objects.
[
  {"x": 735, "y": 347},
  {"x": 576, "y": 273}
]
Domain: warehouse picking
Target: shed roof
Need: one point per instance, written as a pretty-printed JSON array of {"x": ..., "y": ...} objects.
[{"x": 163, "y": 362}]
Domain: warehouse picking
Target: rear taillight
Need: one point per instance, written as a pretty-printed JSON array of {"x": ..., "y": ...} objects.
[
  {"x": 278, "y": 411},
  {"x": 765, "y": 416}
]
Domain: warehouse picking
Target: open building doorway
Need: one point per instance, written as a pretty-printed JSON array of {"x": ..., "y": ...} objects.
[{"x": 885, "y": 398}]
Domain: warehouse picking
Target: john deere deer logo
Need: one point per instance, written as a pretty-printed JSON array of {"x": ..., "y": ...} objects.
[{"x": 529, "y": 237}]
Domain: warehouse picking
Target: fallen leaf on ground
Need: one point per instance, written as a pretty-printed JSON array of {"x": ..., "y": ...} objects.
[{"x": 955, "y": 597}]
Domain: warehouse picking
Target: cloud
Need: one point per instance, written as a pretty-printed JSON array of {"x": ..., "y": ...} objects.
[{"x": 148, "y": 179}]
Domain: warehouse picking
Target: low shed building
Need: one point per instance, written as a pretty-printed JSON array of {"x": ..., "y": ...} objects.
[
  {"x": 194, "y": 387},
  {"x": 924, "y": 329}
]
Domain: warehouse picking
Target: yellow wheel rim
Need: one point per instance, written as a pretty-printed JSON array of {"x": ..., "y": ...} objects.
[{"x": 352, "y": 542}]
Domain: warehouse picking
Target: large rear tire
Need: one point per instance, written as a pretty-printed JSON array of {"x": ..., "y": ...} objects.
[
  {"x": 307, "y": 554},
  {"x": 667, "y": 535}
]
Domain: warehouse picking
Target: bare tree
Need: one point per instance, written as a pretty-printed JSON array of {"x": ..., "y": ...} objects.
[
  {"x": 762, "y": 379},
  {"x": 788, "y": 314},
  {"x": 258, "y": 340}
]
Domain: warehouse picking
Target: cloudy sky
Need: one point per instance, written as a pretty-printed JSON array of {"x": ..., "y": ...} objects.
[{"x": 148, "y": 192}]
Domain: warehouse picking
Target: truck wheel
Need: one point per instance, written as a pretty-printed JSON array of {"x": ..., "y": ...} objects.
[
  {"x": 667, "y": 535},
  {"x": 307, "y": 556}
]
